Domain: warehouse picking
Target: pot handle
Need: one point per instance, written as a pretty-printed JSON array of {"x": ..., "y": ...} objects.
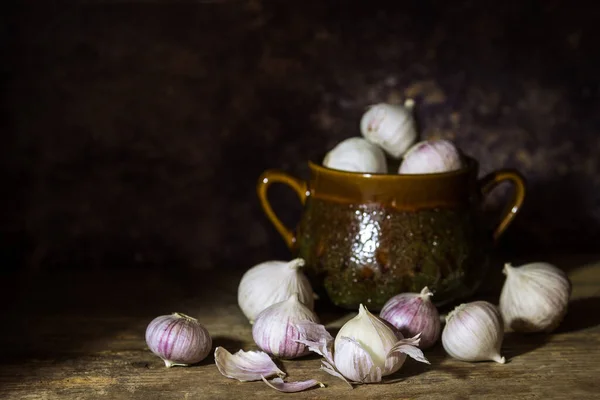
[
  {"x": 273, "y": 176},
  {"x": 490, "y": 181}
]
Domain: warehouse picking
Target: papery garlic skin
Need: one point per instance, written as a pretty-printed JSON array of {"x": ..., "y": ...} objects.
[
  {"x": 274, "y": 330},
  {"x": 272, "y": 282},
  {"x": 363, "y": 349},
  {"x": 356, "y": 155},
  {"x": 178, "y": 339},
  {"x": 474, "y": 332},
  {"x": 535, "y": 297},
  {"x": 431, "y": 156},
  {"x": 414, "y": 313},
  {"x": 391, "y": 127}
]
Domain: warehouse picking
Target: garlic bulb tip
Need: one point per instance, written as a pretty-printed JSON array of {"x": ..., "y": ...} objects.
[{"x": 426, "y": 293}]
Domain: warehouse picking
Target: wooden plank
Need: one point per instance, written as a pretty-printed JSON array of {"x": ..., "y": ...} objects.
[{"x": 75, "y": 352}]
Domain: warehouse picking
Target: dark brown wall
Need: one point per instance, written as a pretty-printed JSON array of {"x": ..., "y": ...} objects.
[{"x": 134, "y": 132}]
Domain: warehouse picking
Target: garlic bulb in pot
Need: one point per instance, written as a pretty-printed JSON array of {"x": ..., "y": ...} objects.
[
  {"x": 272, "y": 282},
  {"x": 414, "y": 313},
  {"x": 534, "y": 297},
  {"x": 391, "y": 127},
  {"x": 431, "y": 156},
  {"x": 474, "y": 332},
  {"x": 274, "y": 330},
  {"x": 178, "y": 339},
  {"x": 356, "y": 155}
]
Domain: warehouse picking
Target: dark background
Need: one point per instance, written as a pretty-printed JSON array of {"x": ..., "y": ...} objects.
[{"x": 133, "y": 133}]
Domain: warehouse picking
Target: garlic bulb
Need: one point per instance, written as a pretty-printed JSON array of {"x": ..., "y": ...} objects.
[
  {"x": 534, "y": 297},
  {"x": 474, "y": 332},
  {"x": 178, "y": 339},
  {"x": 367, "y": 349},
  {"x": 414, "y": 313},
  {"x": 271, "y": 282},
  {"x": 390, "y": 126},
  {"x": 274, "y": 329},
  {"x": 431, "y": 156},
  {"x": 356, "y": 155}
]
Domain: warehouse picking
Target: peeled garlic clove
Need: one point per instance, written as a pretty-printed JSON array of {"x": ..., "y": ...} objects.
[
  {"x": 275, "y": 330},
  {"x": 534, "y": 297},
  {"x": 291, "y": 387},
  {"x": 392, "y": 127},
  {"x": 412, "y": 314},
  {"x": 178, "y": 339},
  {"x": 246, "y": 366},
  {"x": 431, "y": 156},
  {"x": 272, "y": 282},
  {"x": 356, "y": 155},
  {"x": 474, "y": 332},
  {"x": 377, "y": 339}
]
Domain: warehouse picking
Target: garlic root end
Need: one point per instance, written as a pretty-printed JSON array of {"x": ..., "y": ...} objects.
[{"x": 499, "y": 359}]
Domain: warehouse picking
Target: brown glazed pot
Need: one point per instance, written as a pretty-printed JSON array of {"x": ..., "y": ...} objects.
[{"x": 368, "y": 237}]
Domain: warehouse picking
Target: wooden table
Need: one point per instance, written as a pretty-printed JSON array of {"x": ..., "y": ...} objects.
[{"x": 80, "y": 335}]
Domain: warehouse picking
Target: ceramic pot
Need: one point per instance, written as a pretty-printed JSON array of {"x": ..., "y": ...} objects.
[{"x": 368, "y": 237}]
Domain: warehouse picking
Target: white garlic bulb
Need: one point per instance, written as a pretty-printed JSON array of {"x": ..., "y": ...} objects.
[
  {"x": 474, "y": 332},
  {"x": 274, "y": 330},
  {"x": 356, "y": 155},
  {"x": 534, "y": 297},
  {"x": 431, "y": 156},
  {"x": 391, "y": 127},
  {"x": 272, "y": 282},
  {"x": 366, "y": 349}
]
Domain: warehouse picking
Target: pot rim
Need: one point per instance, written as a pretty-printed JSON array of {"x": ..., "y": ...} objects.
[{"x": 471, "y": 165}]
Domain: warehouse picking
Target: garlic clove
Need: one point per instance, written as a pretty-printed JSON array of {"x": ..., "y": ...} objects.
[
  {"x": 535, "y": 297},
  {"x": 474, "y": 332},
  {"x": 356, "y": 155},
  {"x": 291, "y": 387},
  {"x": 275, "y": 330},
  {"x": 431, "y": 156},
  {"x": 370, "y": 331},
  {"x": 271, "y": 282},
  {"x": 178, "y": 339},
  {"x": 246, "y": 366},
  {"x": 392, "y": 127}
]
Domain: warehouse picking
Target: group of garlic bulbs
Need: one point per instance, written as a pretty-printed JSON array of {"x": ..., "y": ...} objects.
[
  {"x": 278, "y": 300},
  {"x": 391, "y": 129}
]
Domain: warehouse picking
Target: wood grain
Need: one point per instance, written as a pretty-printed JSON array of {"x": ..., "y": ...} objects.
[{"x": 83, "y": 338}]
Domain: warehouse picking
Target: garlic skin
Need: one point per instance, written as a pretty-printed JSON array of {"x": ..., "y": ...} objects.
[
  {"x": 391, "y": 127},
  {"x": 474, "y": 332},
  {"x": 275, "y": 331},
  {"x": 414, "y": 313},
  {"x": 178, "y": 339},
  {"x": 272, "y": 282},
  {"x": 535, "y": 297},
  {"x": 356, "y": 155},
  {"x": 367, "y": 349},
  {"x": 431, "y": 156}
]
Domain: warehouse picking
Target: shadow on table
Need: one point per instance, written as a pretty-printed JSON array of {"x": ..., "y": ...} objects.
[
  {"x": 582, "y": 314},
  {"x": 516, "y": 344}
]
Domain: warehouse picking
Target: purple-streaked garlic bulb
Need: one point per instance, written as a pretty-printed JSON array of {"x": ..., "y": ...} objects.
[
  {"x": 178, "y": 339},
  {"x": 431, "y": 156},
  {"x": 414, "y": 313},
  {"x": 274, "y": 329},
  {"x": 474, "y": 332}
]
